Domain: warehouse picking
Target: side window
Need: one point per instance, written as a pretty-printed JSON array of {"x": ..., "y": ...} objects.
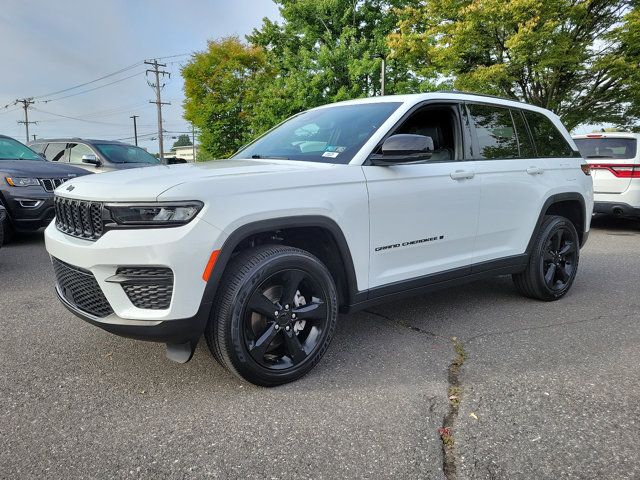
[
  {"x": 526, "y": 146},
  {"x": 55, "y": 152},
  {"x": 37, "y": 147},
  {"x": 77, "y": 150},
  {"x": 495, "y": 132},
  {"x": 548, "y": 139},
  {"x": 439, "y": 123}
]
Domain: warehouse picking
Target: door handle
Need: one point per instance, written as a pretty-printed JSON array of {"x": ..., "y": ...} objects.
[
  {"x": 535, "y": 171},
  {"x": 462, "y": 175}
]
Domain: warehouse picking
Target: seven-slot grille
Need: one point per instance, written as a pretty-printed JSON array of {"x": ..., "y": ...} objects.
[
  {"x": 147, "y": 287},
  {"x": 80, "y": 288},
  {"x": 79, "y": 218},
  {"x": 50, "y": 184}
]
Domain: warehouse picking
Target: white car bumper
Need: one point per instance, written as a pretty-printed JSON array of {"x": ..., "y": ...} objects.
[{"x": 185, "y": 250}]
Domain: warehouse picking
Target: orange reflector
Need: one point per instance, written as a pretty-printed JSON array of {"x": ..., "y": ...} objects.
[
  {"x": 586, "y": 169},
  {"x": 210, "y": 264}
]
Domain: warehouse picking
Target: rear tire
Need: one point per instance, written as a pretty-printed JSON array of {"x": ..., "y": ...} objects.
[
  {"x": 553, "y": 263},
  {"x": 274, "y": 315}
]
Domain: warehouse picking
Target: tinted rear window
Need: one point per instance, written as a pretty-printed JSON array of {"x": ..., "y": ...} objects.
[
  {"x": 547, "y": 138},
  {"x": 607, "y": 147}
]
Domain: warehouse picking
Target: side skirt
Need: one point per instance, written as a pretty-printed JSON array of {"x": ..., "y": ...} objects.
[{"x": 437, "y": 281}]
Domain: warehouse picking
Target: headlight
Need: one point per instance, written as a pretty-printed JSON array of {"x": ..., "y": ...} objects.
[
  {"x": 22, "y": 181},
  {"x": 170, "y": 214}
]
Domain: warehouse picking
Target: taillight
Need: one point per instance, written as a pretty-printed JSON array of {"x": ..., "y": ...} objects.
[
  {"x": 586, "y": 169},
  {"x": 620, "y": 171}
]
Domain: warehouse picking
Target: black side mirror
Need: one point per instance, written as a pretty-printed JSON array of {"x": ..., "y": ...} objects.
[
  {"x": 404, "y": 148},
  {"x": 91, "y": 159}
]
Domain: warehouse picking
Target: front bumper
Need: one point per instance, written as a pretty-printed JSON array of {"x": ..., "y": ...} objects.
[
  {"x": 185, "y": 250},
  {"x": 171, "y": 332},
  {"x": 28, "y": 208}
]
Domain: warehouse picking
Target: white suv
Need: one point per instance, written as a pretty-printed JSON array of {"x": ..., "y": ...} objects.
[
  {"x": 614, "y": 159},
  {"x": 335, "y": 209}
]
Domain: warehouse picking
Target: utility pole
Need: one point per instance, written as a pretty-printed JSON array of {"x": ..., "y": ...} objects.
[
  {"x": 25, "y": 105},
  {"x": 135, "y": 128},
  {"x": 193, "y": 141},
  {"x": 157, "y": 72},
  {"x": 383, "y": 75}
]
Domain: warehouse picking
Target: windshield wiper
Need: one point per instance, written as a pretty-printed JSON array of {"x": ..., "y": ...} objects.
[
  {"x": 597, "y": 156},
  {"x": 274, "y": 157}
]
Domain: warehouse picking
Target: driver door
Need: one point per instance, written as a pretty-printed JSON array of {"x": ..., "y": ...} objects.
[{"x": 424, "y": 217}]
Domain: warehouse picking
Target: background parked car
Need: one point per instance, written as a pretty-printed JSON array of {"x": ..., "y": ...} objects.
[
  {"x": 27, "y": 183},
  {"x": 96, "y": 156},
  {"x": 614, "y": 159},
  {"x": 3, "y": 215}
]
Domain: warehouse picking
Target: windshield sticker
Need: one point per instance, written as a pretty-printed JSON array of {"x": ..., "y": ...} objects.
[{"x": 330, "y": 154}]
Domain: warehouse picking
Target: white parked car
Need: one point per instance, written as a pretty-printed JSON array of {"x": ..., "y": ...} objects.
[
  {"x": 614, "y": 159},
  {"x": 335, "y": 209}
]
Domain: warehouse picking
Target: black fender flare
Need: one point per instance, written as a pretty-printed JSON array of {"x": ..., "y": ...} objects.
[
  {"x": 261, "y": 226},
  {"x": 557, "y": 198}
]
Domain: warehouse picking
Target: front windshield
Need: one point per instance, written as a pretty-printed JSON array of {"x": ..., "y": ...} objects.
[
  {"x": 329, "y": 135},
  {"x": 117, "y": 153},
  {"x": 11, "y": 149}
]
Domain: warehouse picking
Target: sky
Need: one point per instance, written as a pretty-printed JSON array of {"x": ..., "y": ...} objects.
[{"x": 51, "y": 45}]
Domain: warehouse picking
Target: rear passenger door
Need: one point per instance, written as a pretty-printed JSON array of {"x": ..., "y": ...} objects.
[{"x": 513, "y": 181}]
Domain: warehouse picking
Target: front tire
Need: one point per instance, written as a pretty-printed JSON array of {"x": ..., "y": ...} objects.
[
  {"x": 274, "y": 316},
  {"x": 553, "y": 263}
]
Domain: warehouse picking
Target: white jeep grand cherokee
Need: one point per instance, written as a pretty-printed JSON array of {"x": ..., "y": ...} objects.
[{"x": 335, "y": 209}]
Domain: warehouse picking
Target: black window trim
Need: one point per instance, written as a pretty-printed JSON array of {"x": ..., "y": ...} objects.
[
  {"x": 464, "y": 136},
  {"x": 64, "y": 151},
  {"x": 528, "y": 132}
]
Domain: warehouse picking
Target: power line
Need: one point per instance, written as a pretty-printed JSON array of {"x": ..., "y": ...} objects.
[
  {"x": 77, "y": 118},
  {"x": 90, "y": 82},
  {"x": 91, "y": 89}
]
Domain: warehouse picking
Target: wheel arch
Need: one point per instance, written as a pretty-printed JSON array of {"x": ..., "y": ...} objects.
[
  {"x": 570, "y": 205},
  {"x": 317, "y": 234}
]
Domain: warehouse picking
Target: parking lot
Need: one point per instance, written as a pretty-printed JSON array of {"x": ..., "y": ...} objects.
[{"x": 548, "y": 390}]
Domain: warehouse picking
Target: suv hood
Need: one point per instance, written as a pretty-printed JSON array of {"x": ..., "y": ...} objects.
[
  {"x": 146, "y": 184},
  {"x": 39, "y": 169}
]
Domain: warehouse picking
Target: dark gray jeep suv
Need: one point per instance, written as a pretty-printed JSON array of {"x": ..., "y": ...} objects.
[{"x": 27, "y": 183}]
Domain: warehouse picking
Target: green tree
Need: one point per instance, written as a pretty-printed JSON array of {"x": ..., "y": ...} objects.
[
  {"x": 322, "y": 51},
  {"x": 219, "y": 85},
  {"x": 578, "y": 58},
  {"x": 326, "y": 51},
  {"x": 182, "y": 141}
]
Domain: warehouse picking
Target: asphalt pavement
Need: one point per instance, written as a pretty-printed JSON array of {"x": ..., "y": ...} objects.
[{"x": 546, "y": 390}]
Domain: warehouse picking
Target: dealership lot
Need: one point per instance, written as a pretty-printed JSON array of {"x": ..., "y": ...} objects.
[{"x": 548, "y": 390}]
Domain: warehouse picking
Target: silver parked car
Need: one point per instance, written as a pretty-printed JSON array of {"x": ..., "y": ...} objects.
[{"x": 96, "y": 156}]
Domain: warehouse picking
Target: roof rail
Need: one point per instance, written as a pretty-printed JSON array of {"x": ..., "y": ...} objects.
[{"x": 479, "y": 95}]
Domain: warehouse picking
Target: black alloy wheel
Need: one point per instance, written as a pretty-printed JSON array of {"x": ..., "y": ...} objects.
[
  {"x": 284, "y": 319},
  {"x": 553, "y": 260},
  {"x": 559, "y": 259},
  {"x": 274, "y": 315}
]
